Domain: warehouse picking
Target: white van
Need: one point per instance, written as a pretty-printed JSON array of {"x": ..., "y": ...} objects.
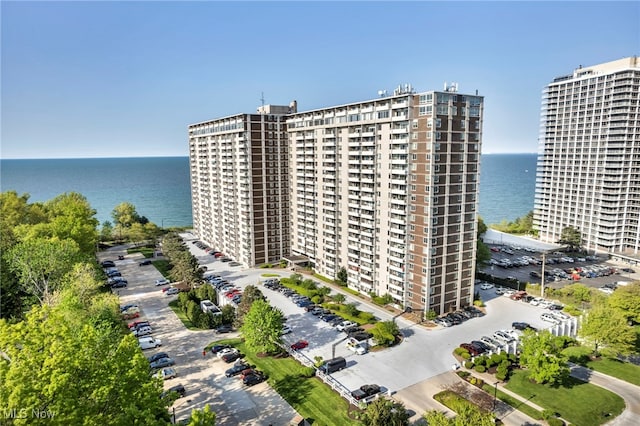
[{"x": 149, "y": 342}]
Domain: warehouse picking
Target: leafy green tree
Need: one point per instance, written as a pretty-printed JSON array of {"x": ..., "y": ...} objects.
[
  {"x": 71, "y": 217},
  {"x": 385, "y": 412},
  {"x": 342, "y": 276},
  {"x": 262, "y": 328},
  {"x": 571, "y": 237},
  {"x": 14, "y": 208},
  {"x": 106, "y": 232},
  {"x": 185, "y": 268},
  {"x": 626, "y": 300},
  {"x": 339, "y": 298},
  {"x": 578, "y": 292},
  {"x": 607, "y": 331},
  {"x": 483, "y": 254},
  {"x": 251, "y": 294},
  {"x": 541, "y": 354},
  {"x": 204, "y": 417},
  {"x": 385, "y": 332},
  {"x": 482, "y": 228},
  {"x": 84, "y": 374},
  {"x": 40, "y": 264},
  {"x": 431, "y": 315}
]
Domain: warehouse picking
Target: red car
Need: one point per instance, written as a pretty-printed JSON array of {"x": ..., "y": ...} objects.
[
  {"x": 495, "y": 249},
  {"x": 218, "y": 254},
  {"x": 130, "y": 316},
  {"x": 300, "y": 344},
  {"x": 135, "y": 323}
]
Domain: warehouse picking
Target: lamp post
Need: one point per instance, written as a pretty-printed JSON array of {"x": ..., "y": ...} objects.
[{"x": 495, "y": 395}]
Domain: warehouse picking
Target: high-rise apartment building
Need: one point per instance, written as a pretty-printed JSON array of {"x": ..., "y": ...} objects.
[
  {"x": 588, "y": 174},
  {"x": 388, "y": 189},
  {"x": 240, "y": 184}
]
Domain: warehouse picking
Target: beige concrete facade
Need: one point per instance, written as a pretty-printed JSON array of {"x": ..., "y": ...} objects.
[{"x": 588, "y": 174}]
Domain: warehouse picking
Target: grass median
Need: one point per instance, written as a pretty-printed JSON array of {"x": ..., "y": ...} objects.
[
  {"x": 618, "y": 369},
  {"x": 576, "y": 401},
  {"x": 310, "y": 397}
]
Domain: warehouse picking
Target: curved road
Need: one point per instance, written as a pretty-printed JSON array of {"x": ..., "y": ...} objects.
[{"x": 630, "y": 393}]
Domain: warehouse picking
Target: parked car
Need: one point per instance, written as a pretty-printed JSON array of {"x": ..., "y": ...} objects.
[
  {"x": 136, "y": 324},
  {"x": 128, "y": 316},
  {"x": 145, "y": 262},
  {"x": 161, "y": 281},
  {"x": 549, "y": 318},
  {"x": 472, "y": 349},
  {"x": 108, "y": 264},
  {"x": 286, "y": 330},
  {"x": 217, "y": 348},
  {"x": 236, "y": 369},
  {"x": 224, "y": 328},
  {"x": 486, "y": 286},
  {"x": 226, "y": 351},
  {"x": 522, "y": 326},
  {"x": 345, "y": 324},
  {"x": 178, "y": 389},
  {"x": 161, "y": 363},
  {"x": 355, "y": 346},
  {"x": 231, "y": 357},
  {"x": 149, "y": 342},
  {"x": 168, "y": 373},
  {"x": 119, "y": 284},
  {"x": 365, "y": 391},
  {"x": 172, "y": 291},
  {"x": 142, "y": 331},
  {"x": 254, "y": 378},
  {"x": 156, "y": 357},
  {"x": 300, "y": 344}
]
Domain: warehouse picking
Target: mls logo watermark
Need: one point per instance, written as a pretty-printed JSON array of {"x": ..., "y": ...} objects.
[{"x": 25, "y": 413}]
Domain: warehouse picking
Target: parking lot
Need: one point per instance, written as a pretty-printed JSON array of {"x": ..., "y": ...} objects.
[
  {"x": 523, "y": 272},
  {"x": 424, "y": 353}
]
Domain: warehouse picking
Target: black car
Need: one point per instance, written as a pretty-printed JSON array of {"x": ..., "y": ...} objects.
[
  {"x": 156, "y": 357},
  {"x": 522, "y": 326},
  {"x": 217, "y": 348},
  {"x": 254, "y": 378},
  {"x": 145, "y": 262},
  {"x": 481, "y": 345},
  {"x": 236, "y": 369},
  {"x": 119, "y": 284},
  {"x": 360, "y": 335},
  {"x": 226, "y": 259},
  {"x": 224, "y": 328},
  {"x": 353, "y": 329},
  {"x": 179, "y": 389},
  {"x": 365, "y": 391},
  {"x": 628, "y": 270},
  {"x": 229, "y": 358},
  {"x": 108, "y": 264},
  {"x": 114, "y": 273}
]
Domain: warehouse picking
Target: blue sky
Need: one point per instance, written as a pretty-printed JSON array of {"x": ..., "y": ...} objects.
[{"x": 120, "y": 79}]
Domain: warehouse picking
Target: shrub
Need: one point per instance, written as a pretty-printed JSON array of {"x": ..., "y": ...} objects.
[
  {"x": 465, "y": 355},
  {"x": 498, "y": 358},
  {"x": 555, "y": 422},
  {"x": 478, "y": 303},
  {"x": 468, "y": 364},
  {"x": 463, "y": 374},
  {"x": 481, "y": 368},
  {"x": 265, "y": 266},
  {"x": 482, "y": 360},
  {"x": 500, "y": 375},
  {"x": 307, "y": 372},
  {"x": 351, "y": 310},
  {"x": 473, "y": 380},
  {"x": 431, "y": 315},
  {"x": 367, "y": 317},
  {"x": 458, "y": 351}
]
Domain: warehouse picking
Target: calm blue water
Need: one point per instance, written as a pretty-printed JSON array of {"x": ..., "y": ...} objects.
[
  {"x": 159, "y": 186},
  {"x": 507, "y": 186}
]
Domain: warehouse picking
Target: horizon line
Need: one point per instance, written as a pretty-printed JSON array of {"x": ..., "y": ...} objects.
[{"x": 186, "y": 156}]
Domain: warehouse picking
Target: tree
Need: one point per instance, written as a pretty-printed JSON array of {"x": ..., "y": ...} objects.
[
  {"x": 106, "y": 232},
  {"x": 607, "y": 330},
  {"x": 385, "y": 332},
  {"x": 204, "y": 417},
  {"x": 385, "y": 412},
  {"x": 185, "y": 268},
  {"x": 339, "y": 298},
  {"x": 342, "y": 276},
  {"x": 482, "y": 228},
  {"x": 71, "y": 217},
  {"x": 571, "y": 237},
  {"x": 483, "y": 254},
  {"x": 40, "y": 264},
  {"x": 541, "y": 354},
  {"x": 82, "y": 373},
  {"x": 251, "y": 294},
  {"x": 626, "y": 300},
  {"x": 262, "y": 328}
]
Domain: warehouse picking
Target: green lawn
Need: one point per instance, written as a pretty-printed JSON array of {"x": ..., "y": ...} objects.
[
  {"x": 186, "y": 321},
  {"x": 163, "y": 266},
  {"x": 621, "y": 370},
  {"x": 515, "y": 403},
  {"x": 576, "y": 401},
  {"x": 146, "y": 251},
  {"x": 308, "y": 396},
  {"x": 270, "y": 275}
]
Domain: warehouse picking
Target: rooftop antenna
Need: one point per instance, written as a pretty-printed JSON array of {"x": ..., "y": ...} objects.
[{"x": 262, "y": 100}]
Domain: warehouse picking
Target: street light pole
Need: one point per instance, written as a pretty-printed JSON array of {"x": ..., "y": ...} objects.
[
  {"x": 544, "y": 262},
  {"x": 495, "y": 395}
]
